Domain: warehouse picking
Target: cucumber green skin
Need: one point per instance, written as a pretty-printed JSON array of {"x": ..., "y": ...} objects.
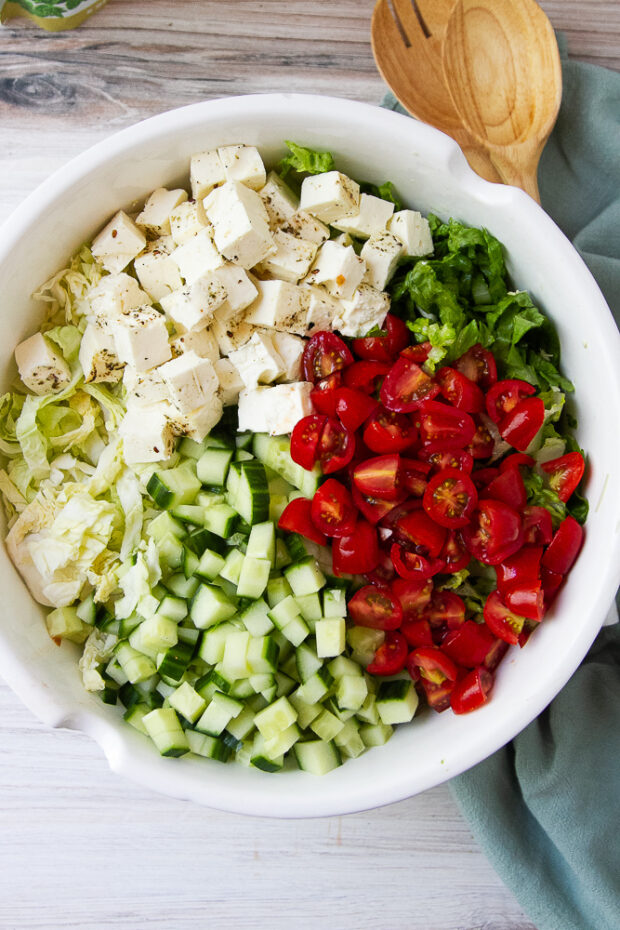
[{"x": 274, "y": 451}]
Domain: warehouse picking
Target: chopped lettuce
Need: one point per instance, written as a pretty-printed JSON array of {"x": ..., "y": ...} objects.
[
  {"x": 305, "y": 161},
  {"x": 65, "y": 293}
]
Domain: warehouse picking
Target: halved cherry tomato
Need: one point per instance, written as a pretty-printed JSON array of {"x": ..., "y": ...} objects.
[
  {"x": 323, "y": 395},
  {"x": 417, "y": 532},
  {"x": 353, "y": 407},
  {"x": 417, "y": 632},
  {"x": 390, "y": 657},
  {"x": 526, "y": 599},
  {"x": 537, "y": 526},
  {"x": 483, "y": 443},
  {"x": 375, "y": 607},
  {"x": 305, "y": 440},
  {"x": 479, "y": 366},
  {"x": 410, "y": 565},
  {"x": 483, "y": 476},
  {"x": 444, "y": 426},
  {"x": 418, "y": 353},
  {"x": 508, "y": 487},
  {"x": 413, "y": 594},
  {"x": 387, "y": 431},
  {"x": 438, "y": 696},
  {"x": 522, "y": 423},
  {"x": 495, "y": 655},
  {"x": 358, "y": 553},
  {"x": 501, "y": 620},
  {"x": 472, "y": 691},
  {"x": 454, "y": 553},
  {"x": 336, "y": 446},
  {"x": 450, "y": 498},
  {"x": 333, "y": 511},
  {"x": 372, "y": 508},
  {"x": 384, "y": 573},
  {"x": 564, "y": 547},
  {"x": 551, "y": 584},
  {"x": 433, "y": 664},
  {"x": 297, "y": 518},
  {"x": 459, "y": 390},
  {"x": 445, "y": 609},
  {"x": 414, "y": 476},
  {"x": 363, "y": 376},
  {"x": 521, "y": 568},
  {"x": 469, "y": 644},
  {"x": 407, "y": 506},
  {"x": 494, "y": 533},
  {"x": 446, "y": 458},
  {"x": 379, "y": 477},
  {"x": 505, "y": 395},
  {"x": 565, "y": 473},
  {"x": 528, "y": 628},
  {"x": 405, "y": 386},
  {"x": 324, "y": 354},
  {"x": 516, "y": 460},
  {"x": 383, "y": 348}
]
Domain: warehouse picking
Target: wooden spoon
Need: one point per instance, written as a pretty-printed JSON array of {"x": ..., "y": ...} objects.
[{"x": 502, "y": 66}]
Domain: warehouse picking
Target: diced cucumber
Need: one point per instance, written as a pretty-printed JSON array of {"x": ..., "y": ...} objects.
[
  {"x": 231, "y": 569},
  {"x": 375, "y": 734},
  {"x": 244, "y": 440},
  {"x": 255, "y": 618},
  {"x": 188, "y": 634},
  {"x": 277, "y": 589},
  {"x": 248, "y": 492},
  {"x": 316, "y": 688},
  {"x": 114, "y": 671},
  {"x": 282, "y": 556},
  {"x": 279, "y": 745},
  {"x": 136, "y": 666},
  {"x": 65, "y": 623},
  {"x": 397, "y": 701},
  {"x": 164, "y": 525},
  {"x": 220, "y": 711},
  {"x": 171, "y": 552},
  {"x": 211, "y": 649},
  {"x": 201, "y": 538},
  {"x": 242, "y": 688},
  {"x": 261, "y": 760},
  {"x": 253, "y": 577},
  {"x": 173, "y": 486},
  {"x": 334, "y": 602},
  {"x": 210, "y": 606},
  {"x": 173, "y": 663},
  {"x": 262, "y": 542},
  {"x": 304, "y": 577},
  {"x": 241, "y": 726},
  {"x": 368, "y": 711},
  {"x": 213, "y": 681},
  {"x": 285, "y": 684},
  {"x": 220, "y": 519},
  {"x": 284, "y": 612},
  {"x": 156, "y": 634},
  {"x": 349, "y": 740},
  {"x": 330, "y": 637},
  {"x": 364, "y": 642},
  {"x": 317, "y": 757},
  {"x": 189, "y": 513},
  {"x": 343, "y": 666},
  {"x": 235, "y": 660},
  {"x": 191, "y": 449},
  {"x": 165, "y": 730},
  {"x": 306, "y": 712},
  {"x": 87, "y": 609},
  {"x": 174, "y": 608},
  {"x": 212, "y": 466},
  {"x": 276, "y": 718},
  {"x": 135, "y": 715},
  {"x": 275, "y": 452},
  {"x": 209, "y": 565},
  {"x": 277, "y": 505},
  {"x": 187, "y": 702},
  {"x": 351, "y": 692},
  {"x": 181, "y": 586},
  {"x": 326, "y": 725},
  {"x": 296, "y": 631},
  {"x": 307, "y": 662},
  {"x": 310, "y": 607},
  {"x": 201, "y": 744},
  {"x": 243, "y": 455},
  {"x": 262, "y": 655},
  {"x": 190, "y": 562}
]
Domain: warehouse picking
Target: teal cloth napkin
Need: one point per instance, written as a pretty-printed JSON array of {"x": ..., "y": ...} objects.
[{"x": 546, "y": 807}]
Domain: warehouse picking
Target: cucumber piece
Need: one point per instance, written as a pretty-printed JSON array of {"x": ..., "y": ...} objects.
[
  {"x": 296, "y": 631},
  {"x": 317, "y": 687},
  {"x": 349, "y": 740},
  {"x": 189, "y": 513},
  {"x": 190, "y": 449},
  {"x": 244, "y": 440},
  {"x": 317, "y": 757},
  {"x": 282, "y": 555},
  {"x": 174, "y": 661},
  {"x": 220, "y": 519},
  {"x": 235, "y": 660},
  {"x": 164, "y": 525},
  {"x": 164, "y": 728},
  {"x": 285, "y": 684},
  {"x": 201, "y": 744},
  {"x": 171, "y": 552},
  {"x": 231, "y": 570},
  {"x": 343, "y": 666},
  {"x": 275, "y": 452},
  {"x": 284, "y": 612},
  {"x": 351, "y": 692},
  {"x": 135, "y": 715},
  {"x": 334, "y": 602},
  {"x": 261, "y": 760},
  {"x": 307, "y": 662},
  {"x": 242, "y": 725},
  {"x": 368, "y": 712},
  {"x": 375, "y": 734},
  {"x": 330, "y": 637},
  {"x": 277, "y": 505},
  {"x": 275, "y": 718},
  {"x": 326, "y": 725},
  {"x": 306, "y": 712},
  {"x": 242, "y": 688},
  {"x": 397, "y": 701},
  {"x": 262, "y": 542},
  {"x": 157, "y": 634},
  {"x": 188, "y": 634},
  {"x": 211, "y": 682},
  {"x": 255, "y": 618},
  {"x": 136, "y": 666},
  {"x": 173, "y": 486},
  {"x": 190, "y": 562},
  {"x": 262, "y": 655},
  {"x": 304, "y": 577},
  {"x": 181, "y": 586},
  {"x": 174, "y": 608},
  {"x": 310, "y": 607},
  {"x": 253, "y": 577},
  {"x": 210, "y": 565},
  {"x": 247, "y": 491},
  {"x": 243, "y": 455},
  {"x": 212, "y": 466},
  {"x": 279, "y": 745},
  {"x": 277, "y": 589},
  {"x": 220, "y": 711},
  {"x": 187, "y": 702},
  {"x": 364, "y": 642},
  {"x": 210, "y": 606},
  {"x": 201, "y": 538},
  {"x": 87, "y": 610}
]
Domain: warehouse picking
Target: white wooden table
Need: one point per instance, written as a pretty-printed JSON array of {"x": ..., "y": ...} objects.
[{"x": 80, "y": 847}]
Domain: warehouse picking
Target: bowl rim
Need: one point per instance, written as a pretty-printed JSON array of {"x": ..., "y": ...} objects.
[{"x": 116, "y": 746}]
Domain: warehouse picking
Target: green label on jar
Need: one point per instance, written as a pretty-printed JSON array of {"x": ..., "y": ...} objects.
[{"x": 62, "y": 14}]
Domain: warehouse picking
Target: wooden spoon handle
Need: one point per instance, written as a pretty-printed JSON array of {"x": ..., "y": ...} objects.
[
  {"x": 481, "y": 163},
  {"x": 523, "y": 174}
]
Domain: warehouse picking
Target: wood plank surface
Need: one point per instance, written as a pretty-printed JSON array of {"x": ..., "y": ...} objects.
[{"x": 79, "y": 847}]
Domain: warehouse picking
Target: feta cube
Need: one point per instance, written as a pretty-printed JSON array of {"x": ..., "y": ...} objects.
[
  {"x": 366, "y": 310},
  {"x": 206, "y": 171},
  {"x": 322, "y": 309},
  {"x": 201, "y": 341},
  {"x": 329, "y": 196},
  {"x": 155, "y": 215},
  {"x": 198, "y": 423},
  {"x": 413, "y": 231},
  {"x": 157, "y": 271},
  {"x": 274, "y": 410},
  {"x": 243, "y": 163},
  {"x": 197, "y": 256},
  {"x": 240, "y": 224},
  {"x": 230, "y": 381},
  {"x": 372, "y": 217},
  {"x": 118, "y": 243},
  {"x": 381, "y": 254},
  {"x": 343, "y": 239},
  {"x": 144, "y": 387},
  {"x": 291, "y": 259},
  {"x": 280, "y": 201},
  {"x": 240, "y": 290},
  {"x": 290, "y": 349},
  {"x": 41, "y": 367},
  {"x": 114, "y": 295},
  {"x": 98, "y": 356},
  {"x": 191, "y": 381},
  {"x": 304, "y": 226},
  {"x": 338, "y": 268},
  {"x": 186, "y": 220},
  {"x": 279, "y": 305},
  {"x": 141, "y": 338},
  {"x": 231, "y": 334},
  {"x": 257, "y": 361},
  {"x": 192, "y": 307},
  {"x": 147, "y": 434}
]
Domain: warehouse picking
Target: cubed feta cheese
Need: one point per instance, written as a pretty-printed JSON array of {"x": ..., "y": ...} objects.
[
  {"x": 144, "y": 387},
  {"x": 280, "y": 201},
  {"x": 155, "y": 216},
  {"x": 141, "y": 338},
  {"x": 41, "y": 367},
  {"x": 279, "y": 305},
  {"x": 243, "y": 163},
  {"x": 338, "y": 268},
  {"x": 413, "y": 231},
  {"x": 329, "y": 196},
  {"x": 322, "y": 309},
  {"x": 191, "y": 381},
  {"x": 201, "y": 341},
  {"x": 197, "y": 256},
  {"x": 157, "y": 271},
  {"x": 192, "y": 307},
  {"x": 186, "y": 220},
  {"x": 201, "y": 421},
  {"x": 240, "y": 290},
  {"x": 372, "y": 217},
  {"x": 257, "y": 361},
  {"x": 231, "y": 334},
  {"x": 366, "y": 310},
  {"x": 118, "y": 243},
  {"x": 381, "y": 254},
  {"x": 274, "y": 410},
  {"x": 304, "y": 226},
  {"x": 343, "y": 239},
  {"x": 291, "y": 259},
  {"x": 114, "y": 295},
  {"x": 98, "y": 356},
  {"x": 290, "y": 349},
  {"x": 206, "y": 171},
  {"x": 230, "y": 381},
  {"x": 147, "y": 434},
  {"x": 240, "y": 224}
]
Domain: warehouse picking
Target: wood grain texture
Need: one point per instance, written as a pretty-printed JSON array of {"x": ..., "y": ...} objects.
[{"x": 79, "y": 847}]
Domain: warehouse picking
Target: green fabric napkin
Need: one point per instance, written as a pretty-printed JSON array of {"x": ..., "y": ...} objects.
[{"x": 546, "y": 807}]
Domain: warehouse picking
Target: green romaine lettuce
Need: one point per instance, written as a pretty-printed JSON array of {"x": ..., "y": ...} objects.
[{"x": 305, "y": 161}]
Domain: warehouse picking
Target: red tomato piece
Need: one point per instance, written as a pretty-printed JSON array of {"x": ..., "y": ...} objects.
[
  {"x": 408, "y": 506},
  {"x": 479, "y": 366},
  {"x": 495, "y": 655},
  {"x": 454, "y": 553},
  {"x": 526, "y": 599},
  {"x": 387, "y": 431},
  {"x": 501, "y": 620},
  {"x": 521, "y": 568},
  {"x": 419, "y": 533},
  {"x": 390, "y": 657},
  {"x": 469, "y": 644},
  {"x": 516, "y": 460},
  {"x": 483, "y": 476},
  {"x": 405, "y": 386},
  {"x": 459, "y": 390},
  {"x": 565, "y": 473},
  {"x": 414, "y": 595},
  {"x": 384, "y": 573},
  {"x": 551, "y": 584},
  {"x": 297, "y": 518},
  {"x": 450, "y": 498},
  {"x": 417, "y": 632},
  {"x": 364, "y": 376},
  {"x": 305, "y": 440},
  {"x": 375, "y": 607},
  {"x": 324, "y": 354},
  {"x": 433, "y": 664},
  {"x": 564, "y": 547},
  {"x": 353, "y": 407},
  {"x": 494, "y": 533},
  {"x": 508, "y": 487},
  {"x": 379, "y": 477},
  {"x": 522, "y": 423},
  {"x": 372, "y": 508},
  {"x": 483, "y": 443},
  {"x": 537, "y": 526},
  {"x": 439, "y": 459},
  {"x": 414, "y": 476},
  {"x": 445, "y": 609},
  {"x": 472, "y": 691},
  {"x": 505, "y": 395},
  {"x": 324, "y": 396},
  {"x": 383, "y": 348},
  {"x": 444, "y": 426},
  {"x": 410, "y": 565},
  {"x": 438, "y": 696},
  {"x": 356, "y": 554},
  {"x": 418, "y": 353},
  {"x": 336, "y": 446},
  {"x": 332, "y": 510}
]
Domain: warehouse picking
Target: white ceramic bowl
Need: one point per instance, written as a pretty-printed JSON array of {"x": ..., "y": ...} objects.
[{"x": 432, "y": 175}]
